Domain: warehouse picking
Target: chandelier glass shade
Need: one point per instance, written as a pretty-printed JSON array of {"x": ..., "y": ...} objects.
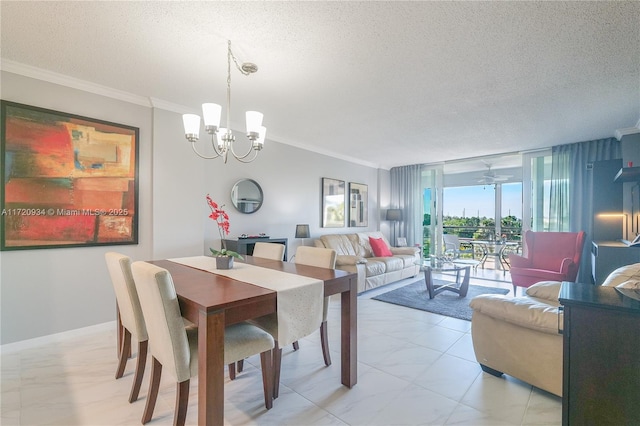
[{"x": 222, "y": 138}]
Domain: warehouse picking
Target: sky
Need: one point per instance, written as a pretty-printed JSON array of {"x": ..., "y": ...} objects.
[{"x": 477, "y": 200}]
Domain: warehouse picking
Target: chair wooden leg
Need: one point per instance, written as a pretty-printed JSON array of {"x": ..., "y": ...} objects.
[
  {"x": 140, "y": 364},
  {"x": 152, "y": 395},
  {"x": 296, "y": 345},
  {"x": 125, "y": 348},
  {"x": 266, "y": 362},
  {"x": 324, "y": 341},
  {"x": 182, "y": 401},
  {"x": 232, "y": 371},
  {"x": 277, "y": 361}
]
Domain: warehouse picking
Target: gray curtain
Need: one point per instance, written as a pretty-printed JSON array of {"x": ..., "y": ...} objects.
[
  {"x": 571, "y": 202},
  {"x": 406, "y": 195}
]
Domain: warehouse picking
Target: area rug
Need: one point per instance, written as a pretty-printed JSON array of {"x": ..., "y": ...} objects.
[{"x": 447, "y": 303}]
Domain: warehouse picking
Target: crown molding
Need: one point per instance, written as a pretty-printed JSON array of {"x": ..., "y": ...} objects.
[
  {"x": 87, "y": 86},
  {"x": 620, "y": 133},
  {"x": 277, "y": 138},
  {"x": 74, "y": 83},
  {"x": 173, "y": 107}
]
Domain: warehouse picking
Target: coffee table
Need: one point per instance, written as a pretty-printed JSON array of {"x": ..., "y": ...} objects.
[{"x": 459, "y": 286}]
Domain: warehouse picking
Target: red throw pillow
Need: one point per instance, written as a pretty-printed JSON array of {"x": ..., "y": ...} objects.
[{"x": 379, "y": 247}]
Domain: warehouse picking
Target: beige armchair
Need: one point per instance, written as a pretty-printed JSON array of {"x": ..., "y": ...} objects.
[{"x": 519, "y": 336}]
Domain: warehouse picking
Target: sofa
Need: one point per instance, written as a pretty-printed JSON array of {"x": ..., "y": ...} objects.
[
  {"x": 355, "y": 254},
  {"x": 519, "y": 336}
]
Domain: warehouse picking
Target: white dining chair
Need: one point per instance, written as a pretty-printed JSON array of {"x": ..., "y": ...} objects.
[
  {"x": 273, "y": 251},
  {"x": 175, "y": 348},
  {"x": 310, "y": 256},
  {"x": 131, "y": 318},
  {"x": 322, "y": 258}
]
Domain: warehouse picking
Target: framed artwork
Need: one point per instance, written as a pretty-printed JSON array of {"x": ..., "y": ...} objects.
[
  {"x": 333, "y": 203},
  {"x": 67, "y": 180},
  {"x": 358, "y": 202}
]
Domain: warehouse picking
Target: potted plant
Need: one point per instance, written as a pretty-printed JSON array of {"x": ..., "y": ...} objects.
[{"x": 224, "y": 257}]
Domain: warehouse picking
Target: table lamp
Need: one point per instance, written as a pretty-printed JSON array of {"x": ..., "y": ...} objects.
[{"x": 302, "y": 231}]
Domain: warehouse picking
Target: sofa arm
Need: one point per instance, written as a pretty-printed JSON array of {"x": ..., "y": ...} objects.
[
  {"x": 405, "y": 250},
  {"x": 345, "y": 260},
  {"x": 522, "y": 311}
]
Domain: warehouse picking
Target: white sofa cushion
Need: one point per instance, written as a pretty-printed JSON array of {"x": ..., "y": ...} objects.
[
  {"x": 548, "y": 290},
  {"x": 634, "y": 284},
  {"x": 622, "y": 274}
]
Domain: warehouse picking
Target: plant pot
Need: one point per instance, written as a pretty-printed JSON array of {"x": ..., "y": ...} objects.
[{"x": 224, "y": 262}]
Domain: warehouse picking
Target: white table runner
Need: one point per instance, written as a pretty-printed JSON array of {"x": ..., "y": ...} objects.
[{"x": 299, "y": 302}]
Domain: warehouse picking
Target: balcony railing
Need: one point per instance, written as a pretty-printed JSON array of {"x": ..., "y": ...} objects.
[{"x": 487, "y": 233}]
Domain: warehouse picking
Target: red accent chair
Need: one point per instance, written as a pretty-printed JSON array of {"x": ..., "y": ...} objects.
[{"x": 552, "y": 256}]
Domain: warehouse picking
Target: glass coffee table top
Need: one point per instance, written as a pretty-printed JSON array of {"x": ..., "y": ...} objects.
[{"x": 435, "y": 286}]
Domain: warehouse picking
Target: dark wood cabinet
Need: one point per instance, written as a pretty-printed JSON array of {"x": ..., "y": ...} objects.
[
  {"x": 601, "y": 356},
  {"x": 246, "y": 245}
]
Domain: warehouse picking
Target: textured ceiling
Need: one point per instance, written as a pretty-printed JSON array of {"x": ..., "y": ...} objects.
[{"x": 386, "y": 83}]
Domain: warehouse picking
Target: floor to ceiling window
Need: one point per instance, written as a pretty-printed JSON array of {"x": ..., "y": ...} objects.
[
  {"x": 479, "y": 199},
  {"x": 471, "y": 211}
]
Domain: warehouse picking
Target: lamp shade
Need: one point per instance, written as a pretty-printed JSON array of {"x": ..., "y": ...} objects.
[
  {"x": 191, "y": 125},
  {"x": 254, "y": 122},
  {"x": 394, "y": 214},
  {"x": 211, "y": 114},
  {"x": 302, "y": 231},
  {"x": 263, "y": 134}
]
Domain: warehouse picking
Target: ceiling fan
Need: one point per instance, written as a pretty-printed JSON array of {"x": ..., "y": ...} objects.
[{"x": 489, "y": 177}]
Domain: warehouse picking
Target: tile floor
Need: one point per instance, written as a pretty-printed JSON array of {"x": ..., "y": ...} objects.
[{"x": 415, "y": 368}]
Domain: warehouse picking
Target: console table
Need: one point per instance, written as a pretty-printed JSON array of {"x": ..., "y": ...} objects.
[
  {"x": 246, "y": 245},
  {"x": 601, "y": 356}
]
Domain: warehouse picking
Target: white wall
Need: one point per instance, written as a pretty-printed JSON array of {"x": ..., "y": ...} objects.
[
  {"x": 49, "y": 291},
  {"x": 52, "y": 290}
]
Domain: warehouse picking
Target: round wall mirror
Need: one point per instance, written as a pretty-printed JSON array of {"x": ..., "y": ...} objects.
[{"x": 246, "y": 196}]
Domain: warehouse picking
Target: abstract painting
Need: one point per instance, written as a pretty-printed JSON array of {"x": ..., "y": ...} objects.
[
  {"x": 333, "y": 203},
  {"x": 67, "y": 180},
  {"x": 358, "y": 204}
]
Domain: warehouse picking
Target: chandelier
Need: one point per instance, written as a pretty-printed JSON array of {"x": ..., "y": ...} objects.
[{"x": 222, "y": 138}]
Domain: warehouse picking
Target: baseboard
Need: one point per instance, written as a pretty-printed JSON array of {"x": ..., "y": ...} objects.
[{"x": 14, "y": 347}]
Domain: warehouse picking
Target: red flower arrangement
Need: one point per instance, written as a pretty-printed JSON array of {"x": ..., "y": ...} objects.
[{"x": 222, "y": 220}]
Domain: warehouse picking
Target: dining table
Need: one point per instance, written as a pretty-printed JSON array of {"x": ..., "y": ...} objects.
[
  {"x": 213, "y": 301},
  {"x": 497, "y": 249}
]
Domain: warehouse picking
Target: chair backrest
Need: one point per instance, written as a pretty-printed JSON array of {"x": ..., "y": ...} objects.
[
  {"x": 451, "y": 242},
  {"x": 548, "y": 249},
  {"x": 315, "y": 256},
  {"x": 168, "y": 341},
  {"x": 119, "y": 267},
  {"x": 272, "y": 251}
]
